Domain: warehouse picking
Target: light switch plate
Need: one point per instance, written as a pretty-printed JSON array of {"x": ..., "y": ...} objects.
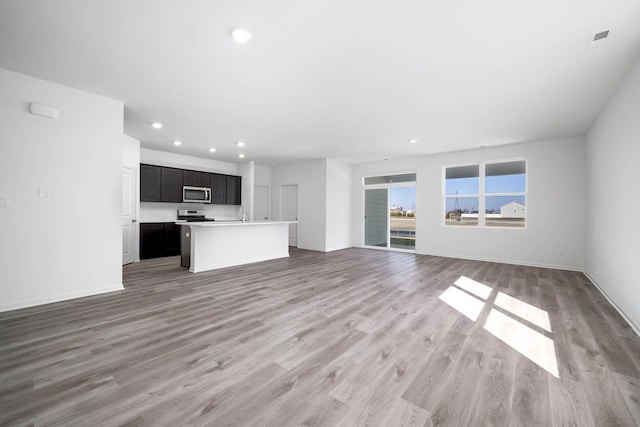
[
  {"x": 4, "y": 201},
  {"x": 44, "y": 193}
]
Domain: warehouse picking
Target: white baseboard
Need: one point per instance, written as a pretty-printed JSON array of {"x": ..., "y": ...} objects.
[
  {"x": 504, "y": 261},
  {"x": 530, "y": 264},
  {"x": 618, "y": 309},
  {"x": 58, "y": 298}
]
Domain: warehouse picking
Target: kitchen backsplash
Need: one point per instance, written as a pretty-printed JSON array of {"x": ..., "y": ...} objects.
[{"x": 167, "y": 212}]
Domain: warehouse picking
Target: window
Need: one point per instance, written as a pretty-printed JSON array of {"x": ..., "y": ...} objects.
[
  {"x": 462, "y": 195},
  {"x": 491, "y": 194}
]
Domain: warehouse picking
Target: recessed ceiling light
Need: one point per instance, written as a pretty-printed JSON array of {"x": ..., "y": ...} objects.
[
  {"x": 240, "y": 35},
  {"x": 213, "y": 150},
  {"x": 177, "y": 143},
  {"x": 413, "y": 141},
  {"x": 240, "y": 143},
  {"x": 156, "y": 125},
  {"x": 241, "y": 156}
]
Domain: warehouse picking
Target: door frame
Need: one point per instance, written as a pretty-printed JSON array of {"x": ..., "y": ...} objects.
[
  {"x": 387, "y": 186},
  {"x": 136, "y": 213}
]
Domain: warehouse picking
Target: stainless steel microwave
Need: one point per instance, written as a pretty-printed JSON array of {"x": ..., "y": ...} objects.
[{"x": 196, "y": 194}]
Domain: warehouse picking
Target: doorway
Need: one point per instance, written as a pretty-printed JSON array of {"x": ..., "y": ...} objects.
[
  {"x": 290, "y": 211},
  {"x": 390, "y": 212},
  {"x": 129, "y": 196}
]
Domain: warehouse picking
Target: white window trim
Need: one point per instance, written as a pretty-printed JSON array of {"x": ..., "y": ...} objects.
[{"x": 482, "y": 195}]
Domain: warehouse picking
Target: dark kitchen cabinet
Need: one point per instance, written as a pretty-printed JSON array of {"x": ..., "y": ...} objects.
[
  {"x": 162, "y": 184},
  {"x": 171, "y": 185},
  {"x": 234, "y": 190},
  {"x": 150, "y": 179},
  {"x": 171, "y": 239},
  {"x": 151, "y": 240},
  {"x": 218, "y": 189},
  {"x": 196, "y": 179},
  {"x": 159, "y": 240}
]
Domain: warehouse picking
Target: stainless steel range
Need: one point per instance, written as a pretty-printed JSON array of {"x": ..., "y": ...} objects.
[{"x": 193, "y": 215}]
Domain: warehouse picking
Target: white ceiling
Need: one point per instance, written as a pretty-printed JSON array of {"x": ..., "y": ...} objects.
[{"x": 348, "y": 79}]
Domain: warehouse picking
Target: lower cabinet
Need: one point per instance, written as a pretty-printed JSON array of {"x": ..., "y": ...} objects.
[{"x": 159, "y": 240}]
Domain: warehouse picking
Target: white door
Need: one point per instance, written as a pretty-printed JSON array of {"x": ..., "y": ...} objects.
[
  {"x": 260, "y": 203},
  {"x": 128, "y": 216},
  {"x": 290, "y": 211}
]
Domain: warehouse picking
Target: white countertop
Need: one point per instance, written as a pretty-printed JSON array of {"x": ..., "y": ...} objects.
[{"x": 223, "y": 223}]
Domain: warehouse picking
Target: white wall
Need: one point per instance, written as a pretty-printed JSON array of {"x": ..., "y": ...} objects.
[
  {"x": 181, "y": 161},
  {"x": 556, "y": 178},
  {"x": 131, "y": 152},
  {"x": 613, "y": 229},
  {"x": 69, "y": 244},
  {"x": 167, "y": 212},
  {"x": 339, "y": 202},
  {"x": 262, "y": 175},
  {"x": 310, "y": 176}
]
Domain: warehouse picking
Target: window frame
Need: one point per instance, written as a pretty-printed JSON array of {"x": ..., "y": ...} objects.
[{"x": 482, "y": 194}]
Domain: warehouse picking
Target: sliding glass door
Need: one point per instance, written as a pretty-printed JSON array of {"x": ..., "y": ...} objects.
[
  {"x": 376, "y": 219},
  {"x": 402, "y": 218},
  {"x": 390, "y": 212}
]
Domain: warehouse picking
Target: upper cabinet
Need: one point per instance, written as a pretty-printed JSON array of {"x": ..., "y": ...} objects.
[
  {"x": 150, "y": 179},
  {"x": 196, "y": 179},
  {"x": 218, "y": 189},
  {"x": 234, "y": 190},
  {"x": 171, "y": 190},
  {"x": 163, "y": 184}
]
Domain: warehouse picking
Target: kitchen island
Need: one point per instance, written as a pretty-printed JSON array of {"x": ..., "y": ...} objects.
[{"x": 219, "y": 244}]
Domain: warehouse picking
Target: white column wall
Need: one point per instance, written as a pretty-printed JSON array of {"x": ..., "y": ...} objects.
[
  {"x": 613, "y": 156},
  {"x": 339, "y": 205},
  {"x": 68, "y": 244},
  {"x": 310, "y": 176}
]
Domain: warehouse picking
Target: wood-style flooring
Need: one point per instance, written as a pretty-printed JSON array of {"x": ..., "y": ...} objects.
[{"x": 352, "y": 337}]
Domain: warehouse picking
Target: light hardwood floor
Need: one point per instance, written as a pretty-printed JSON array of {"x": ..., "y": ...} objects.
[{"x": 352, "y": 337}]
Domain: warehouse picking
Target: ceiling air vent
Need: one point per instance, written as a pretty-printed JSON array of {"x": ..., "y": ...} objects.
[{"x": 597, "y": 39}]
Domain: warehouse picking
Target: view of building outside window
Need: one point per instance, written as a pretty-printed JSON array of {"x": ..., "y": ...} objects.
[{"x": 503, "y": 196}]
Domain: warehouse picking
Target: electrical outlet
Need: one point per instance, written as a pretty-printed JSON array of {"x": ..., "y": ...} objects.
[
  {"x": 561, "y": 252},
  {"x": 4, "y": 201}
]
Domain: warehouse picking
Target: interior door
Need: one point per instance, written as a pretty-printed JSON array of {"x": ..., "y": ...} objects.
[
  {"x": 290, "y": 211},
  {"x": 376, "y": 217},
  {"x": 129, "y": 195},
  {"x": 261, "y": 203}
]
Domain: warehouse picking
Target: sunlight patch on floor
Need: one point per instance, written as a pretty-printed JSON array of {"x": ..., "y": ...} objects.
[
  {"x": 521, "y": 309},
  {"x": 463, "y": 302},
  {"x": 531, "y": 344},
  {"x": 476, "y": 288}
]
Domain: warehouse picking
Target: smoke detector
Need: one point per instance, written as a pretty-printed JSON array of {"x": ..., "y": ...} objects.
[{"x": 597, "y": 39}]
